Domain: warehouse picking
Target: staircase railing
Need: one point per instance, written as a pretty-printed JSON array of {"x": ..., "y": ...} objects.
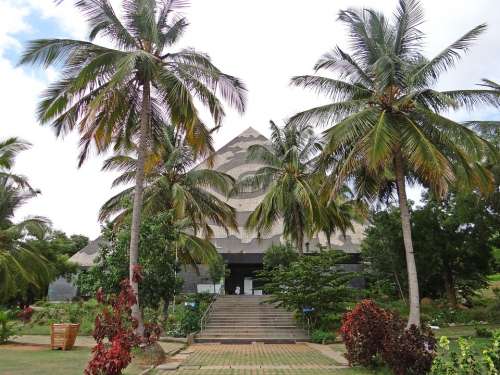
[{"x": 204, "y": 317}]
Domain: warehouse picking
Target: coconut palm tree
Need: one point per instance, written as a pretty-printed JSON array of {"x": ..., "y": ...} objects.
[
  {"x": 287, "y": 176},
  {"x": 20, "y": 266},
  {"x": 489, "y": 129},
  {"x": 173, "y": 182},
  {"x": 9, "y": 148},
  {"x": 121, "y": 95},
  {"x": 386, "y": 124},
  {"x": 339, "y": 213}
]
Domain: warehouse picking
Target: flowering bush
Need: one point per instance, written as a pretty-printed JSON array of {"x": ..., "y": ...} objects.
[
  {"x": 116, "y": 324},
  {"x": 371, "y": 333}
]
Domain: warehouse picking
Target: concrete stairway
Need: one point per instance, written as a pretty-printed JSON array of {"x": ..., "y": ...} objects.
[{"x": 245, "y": 319}]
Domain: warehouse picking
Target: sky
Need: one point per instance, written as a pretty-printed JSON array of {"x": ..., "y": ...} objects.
[{"x": 264, "y": 43}]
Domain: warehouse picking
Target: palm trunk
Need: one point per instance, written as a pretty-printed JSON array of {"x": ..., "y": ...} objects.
[
  {"x": 449, "y": 285},
  {"x": 411, "y": 266},
  {"x": 299, "y": 243},
  {"x": 299, "y": 239},
  {"x": 329, "y": 240},
  {"x": 137, "y": 207}
]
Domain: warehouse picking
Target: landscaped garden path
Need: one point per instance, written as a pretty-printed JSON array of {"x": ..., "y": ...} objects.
[{"x": 258, "y": 359}]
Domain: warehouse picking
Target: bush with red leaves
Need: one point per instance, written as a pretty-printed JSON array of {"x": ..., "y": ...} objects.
[
  {"x": 116, "y": 324},
  {"x": 152, "y": 332},
  {"x": 25, "y": 314},
  {"x": 370, "y": 333},
  {"x": 410, "y": 351},
  {"x": 363, "y": 332}
]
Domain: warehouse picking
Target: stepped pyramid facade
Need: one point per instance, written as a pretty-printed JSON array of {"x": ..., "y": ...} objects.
[{"x": 242, "y": 250}]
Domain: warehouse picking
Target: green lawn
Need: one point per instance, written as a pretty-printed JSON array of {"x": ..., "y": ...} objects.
[
  {"x": 28, "y": 360},
  {"x": 463, "y": 331}
]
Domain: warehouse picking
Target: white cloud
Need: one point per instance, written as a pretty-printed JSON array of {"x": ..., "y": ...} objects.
[
  {"x": 264, "y": 43},
  {"x": 13, "y": 21}
]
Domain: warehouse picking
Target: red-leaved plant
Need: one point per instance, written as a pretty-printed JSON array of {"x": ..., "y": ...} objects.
[
  {"x": 25, "y": 314},
  {"x": 116, "y": 324},
  {"x": 370, "y": 332},
  {"x": 363, "y": 331}
]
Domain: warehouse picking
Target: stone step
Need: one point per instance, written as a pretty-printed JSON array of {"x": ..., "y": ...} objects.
[
  {"x": 251, "y": 324},
  {"x": 249, "y": 319},
  {"x": 252, "y": 333},
  {"x": 246, "y": 319},
  {"x": 250, "y": 327},
  {"x": 281, "y": 334},
  {"x": 249, "y": 340}
]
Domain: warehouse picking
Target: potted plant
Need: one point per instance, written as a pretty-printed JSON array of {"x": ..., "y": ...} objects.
[{"x": 63, "y": 335}]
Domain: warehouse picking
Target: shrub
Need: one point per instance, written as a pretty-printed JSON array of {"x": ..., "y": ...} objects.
[
  {"x": 363, "y": 332},
  {"x": 484, "y": 332},
  {"x": 25, "y": 314},
  {"x": 371, "y": 333},
  {"x": 316, "y": 282},
  {"x": 322, "y": 337},
  {"x": 465, "y": 361},
  {"x": 408, "y": 351},
  {"x": 116, "y": 324},
  {"x": 6, "y": 326}
]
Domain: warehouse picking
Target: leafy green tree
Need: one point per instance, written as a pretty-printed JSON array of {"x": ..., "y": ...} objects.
[
  {"x": 279, "y": 255},
  {"x": 217, "y": 269},
  {"x": 386, "y": 124},
  {"x": 312, "y": 281},
  {"x": 157, "y": 259},
  {"x": 287, "y": 178},
  {"x": 453, "y": 238},
  {"x": 121, "y": 96}
]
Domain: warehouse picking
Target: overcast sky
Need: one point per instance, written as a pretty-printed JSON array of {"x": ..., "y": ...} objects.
[{"x": 262, "y": 42}]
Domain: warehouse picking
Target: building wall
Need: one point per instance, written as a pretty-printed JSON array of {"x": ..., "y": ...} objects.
[{"x": 61, "y": 290}]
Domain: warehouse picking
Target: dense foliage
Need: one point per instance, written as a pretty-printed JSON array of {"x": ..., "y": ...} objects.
[
  {"x": 279, "y": 255},
  {"x": 464, "y": 360},
  {"x": 315, "y": 286},
  {"x": 454, "y": 241},
  {"x": 372, "y": 334},
  {"x": 7, "y": 325},
  {"x": 157, "y": 258}
]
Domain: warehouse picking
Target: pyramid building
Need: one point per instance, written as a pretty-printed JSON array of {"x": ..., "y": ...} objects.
[{"x": 242, "y": 250}]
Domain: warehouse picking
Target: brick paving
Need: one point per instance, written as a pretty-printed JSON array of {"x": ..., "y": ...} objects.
[
  {"x": 257, "y": 355},
  {"x": 256, "y": 359}
]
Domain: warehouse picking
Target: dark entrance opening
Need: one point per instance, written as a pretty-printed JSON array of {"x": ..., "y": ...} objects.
[
  {"x": 242, "y": 266},
  {"x": 240, "y": 272}
]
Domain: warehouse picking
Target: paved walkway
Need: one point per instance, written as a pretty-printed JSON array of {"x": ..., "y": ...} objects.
[{"x": 259, "y": 359}]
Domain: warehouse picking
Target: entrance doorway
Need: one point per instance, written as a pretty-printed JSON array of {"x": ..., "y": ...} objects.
[{"x": 244, "y": 276}]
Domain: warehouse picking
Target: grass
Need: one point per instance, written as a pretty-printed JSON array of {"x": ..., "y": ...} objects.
[
  {"x": 32, "y": 360},
  {"x": 463, "y": 331}
]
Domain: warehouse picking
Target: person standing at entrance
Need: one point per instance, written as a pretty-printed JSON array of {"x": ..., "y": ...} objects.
[{"x": 237, "y": 291}]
